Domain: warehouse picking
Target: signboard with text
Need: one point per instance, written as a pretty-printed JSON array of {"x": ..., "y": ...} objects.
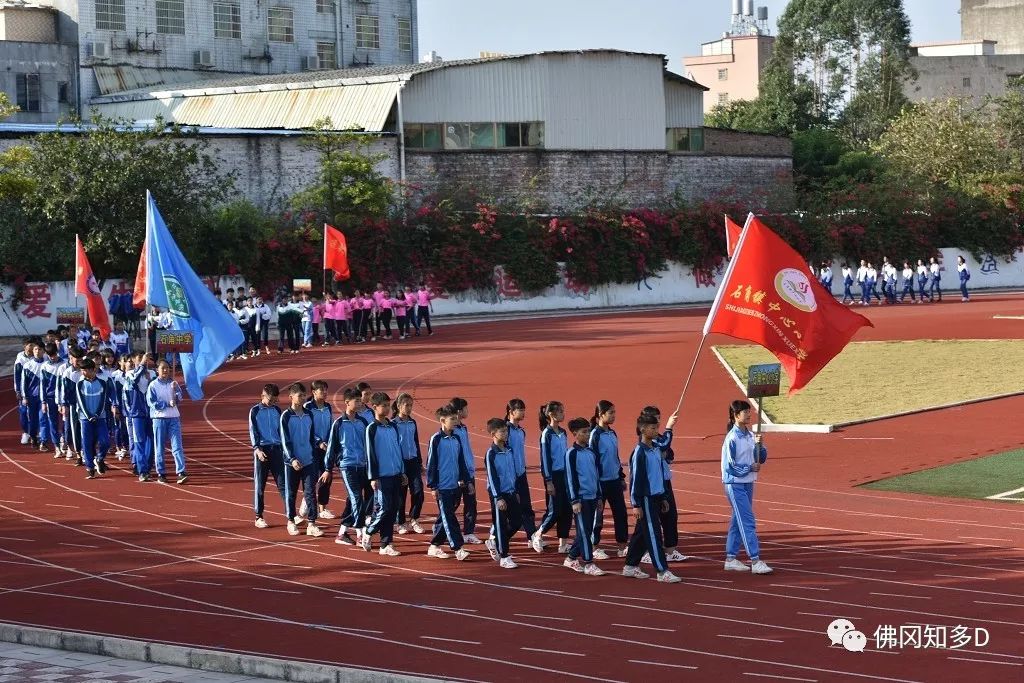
[
  {"x": 302, "y": 285},
  {"x": 70, "y": 316},
  {"x": 763, "y": 380},
  {"x": 174, "y": 341}
]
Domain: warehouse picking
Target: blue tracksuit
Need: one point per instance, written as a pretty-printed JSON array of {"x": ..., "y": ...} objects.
[
  {"x": 92, "y": 402},
  {"x": 322, "y": 419},
  {"x": 500, "y": 463},
  {"x": 469, "y": 510},
  {"x": 646, "y": 491},
  {"x": 384, "y": 466},
  {"x": 298, "y": 443},
  {"x": 19, "y": 367},
  {"x": 136, "y": 412},
  {"x": 67, "y": 396},
  {"x": 265, "y": 434},
  {"x": 582, "y": 478},
  {"x": 670, "y": 517},
  {"x": 605, "y": 443},
  {"x": 412, "y": 461},
  {"x": 346, "y": 448},
  {"x": 49, "y": 381},
  {"x": 965, "y": 275},
  {"x": 446, "y": 468},
  {"x": 517, "y": 443},
  {"x": 738, "y": 479},
  {"x": 552, "y": 464},
  {"x": 30, "y": 371}
]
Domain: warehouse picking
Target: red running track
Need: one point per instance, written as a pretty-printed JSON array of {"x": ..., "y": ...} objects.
[{"x": 185, "y": 564}]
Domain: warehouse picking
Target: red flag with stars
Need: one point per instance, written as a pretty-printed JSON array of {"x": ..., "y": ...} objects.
[
  {"x": 85, "y": 284},
  {"x": 732, "y": 236},
  {"x": 766, "y": 297},
  {"x": 336, "y": 252}
]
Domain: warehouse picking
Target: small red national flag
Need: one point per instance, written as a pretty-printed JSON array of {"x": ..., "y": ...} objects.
[
  {"x": 85, "y": 284},
  {"x": 139, "y": 294},
  {"x": 336, "y": 252},
  {"x": 732, "y": 236},
  {"x": 766, "y": 297}
]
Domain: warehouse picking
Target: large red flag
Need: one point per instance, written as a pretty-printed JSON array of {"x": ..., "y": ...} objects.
[
  {"x": 732, "y": 236},
  {"x": 139, "y": 294},
  {"x": 766, "y": 297},
  {"x": 85, "y": 284},
  {"x": 336, "y": 252}
]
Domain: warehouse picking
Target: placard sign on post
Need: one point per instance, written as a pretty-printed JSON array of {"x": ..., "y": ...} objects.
[
  {"x": 302, "y": 285},
  {"x": 763, "y": 380},
  {"x": 174, "y": 341},
  {"x": 70, "y": 316}
]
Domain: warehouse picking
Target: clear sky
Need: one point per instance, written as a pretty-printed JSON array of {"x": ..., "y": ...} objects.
[{"x": 457, "y": 29}]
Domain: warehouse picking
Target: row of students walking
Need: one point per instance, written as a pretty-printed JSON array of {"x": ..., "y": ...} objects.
[
  {"x": 97, "y": 403},
  {"x": 926, "y": 277},
  {"x": 374, "y": 446}
]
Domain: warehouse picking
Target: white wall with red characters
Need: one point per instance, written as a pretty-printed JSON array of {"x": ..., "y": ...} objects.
[{"x": 37, "y": 310}]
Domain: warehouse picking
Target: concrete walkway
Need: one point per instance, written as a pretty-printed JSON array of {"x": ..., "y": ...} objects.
[{"x": 25, "y": 663}]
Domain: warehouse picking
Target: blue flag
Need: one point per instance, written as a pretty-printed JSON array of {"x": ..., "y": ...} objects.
[{"x": 171, "y": 284}]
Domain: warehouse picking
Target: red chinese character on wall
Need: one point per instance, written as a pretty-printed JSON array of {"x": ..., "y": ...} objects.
[
  {"x": 35, "y": 300},
  {"x": 507, "y": 287},
  {"x": 576, "y": 289},
  {"x": 703, "y": 278}
]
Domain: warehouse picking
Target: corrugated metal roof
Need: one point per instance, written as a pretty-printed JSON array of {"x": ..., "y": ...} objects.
[
  {"x": 122, "y": 77},
  {"x": 323, "y": 79},
  {"x": 351, "y": 107}
]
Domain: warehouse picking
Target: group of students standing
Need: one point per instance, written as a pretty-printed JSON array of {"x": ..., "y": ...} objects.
[
  {"x": 374, "y": 445},
  {"x": 350, "y": 319},
  {"x": 927, "y": 277},
  {"x": 85, "y": 404}
]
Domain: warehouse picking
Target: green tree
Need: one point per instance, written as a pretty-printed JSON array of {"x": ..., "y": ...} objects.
[
  {"x": 815, "y": 154},
  {"x": 6, "y": 108},
  {"x": 94, "y": 183}
]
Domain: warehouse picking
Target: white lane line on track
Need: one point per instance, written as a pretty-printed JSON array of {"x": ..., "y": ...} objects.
[
  {"x": 674, "y": 666},
  {"x": 781, "y": 678},
  {"x": 627, "y": 597},
  {"x": 985, "y": 661},
  {"x": 969, "y": 578},
  {"x": 200, "y": 583},
  {"x": 759, "y": 640},
  {"x": 451, "y": 640},
  {"x": 711, "y": 604},
  {"x": 868, "y": 569},
  {"x": 646, "y": 628},
  {"x": 552, "y": 652},
  {"x": 538, "y": 616},
  {"x": 901, "y": 595}
]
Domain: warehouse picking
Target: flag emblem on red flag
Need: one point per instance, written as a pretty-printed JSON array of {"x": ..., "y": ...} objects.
[
  {"x": 85, "y": 284},
  {"x": 767, "y": 297},
  {"x": 336, "y": 252}
]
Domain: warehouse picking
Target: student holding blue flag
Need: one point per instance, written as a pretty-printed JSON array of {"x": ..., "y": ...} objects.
[{"x": 170, "y": 283}]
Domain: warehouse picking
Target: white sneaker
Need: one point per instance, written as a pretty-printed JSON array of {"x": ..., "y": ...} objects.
[
  {"x": 389, "y": 550},
  {"x": 435, "y": 551},
  {"x": 537, "y": 543},
  {"x": 676, "y": 556},
  {"x": 760, "y": 567},
  {"x": 403, "y": 529},
  {"x": 600, "y": 554},
  {"x": 293, "y": 530},
  {"x": 314, "y": 530},
  {"x": 57, "y": 453},
  {"x": 563, "y": 547},
  {"x": 303, "y": 509},
  {"x": 471, "y": 539},
  {"x": 415, "y": 525},
  {"x": 646, "y": 559},
  {"x": 261, "y": 523},
  {"x": 634, "y": 572},
  {"x": 593, "y": 570},
  {"x": 461, "y": 554},
  {"x": 25, "y": 438},
  {"x": 668, "y": 577},
  {"x": 621, "y": 553},
  {"x": 507, "y": 563},
  {"x": 365, "y": 541},
  {"x": 298, "y": 518},
  {"x": 325, "y": 514},
  {"x": 735, "y": 565},
  {"x": 491, "y": 548},
  {"x": 574, "y": 565}
]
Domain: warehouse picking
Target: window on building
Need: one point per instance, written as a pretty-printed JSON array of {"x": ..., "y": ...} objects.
[
  {"x": 685, "y": 139},
  {"x": 367, "y": 32},
  {"x": 723, "y": 98},
  {"x": 170, "y": 17},
  {"x": 326, "y": 56},
  {"x": 967, "y": 81},
  {"x": 423, "y": 135},
  {"x": 520, "y": 134},
  {"x": 227, "y": 20},
  {"x": 110, "y": 15},
  {"x": 325, "y": 6},
  {"x": 280, "y": 25},
  {"x": 405, "y": 35},
  {"x": 62, "y": 93},
  {"x": 723, "y": 74},
  {"x": 28, "y": 92}
]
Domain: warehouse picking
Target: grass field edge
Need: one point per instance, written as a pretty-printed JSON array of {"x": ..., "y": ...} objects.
[{"x": 929, "y": 409}]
